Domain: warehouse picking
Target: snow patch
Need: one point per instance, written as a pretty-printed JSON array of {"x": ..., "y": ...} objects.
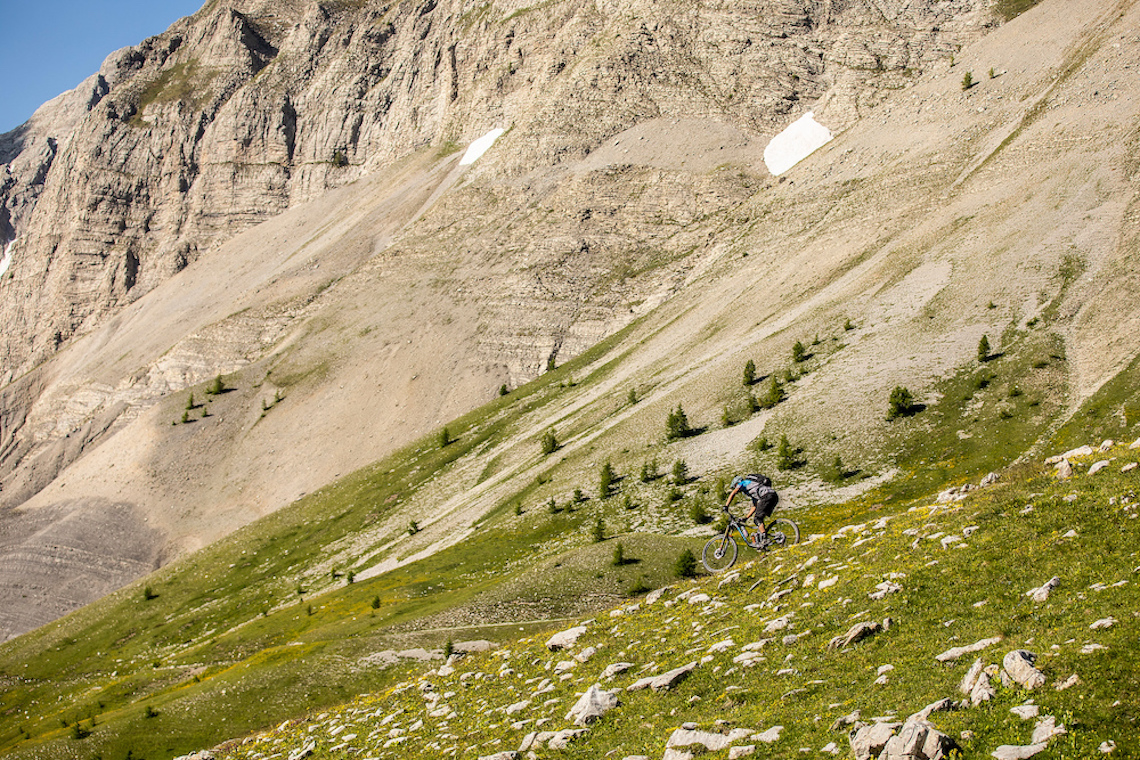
[
  {"x": 6, "y": 261},
  {"x": 799, "y": 140},
  {"x": 476, "y": 150}
]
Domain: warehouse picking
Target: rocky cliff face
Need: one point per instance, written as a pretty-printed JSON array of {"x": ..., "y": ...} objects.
[
  {"x": 271, "y": 186},
  {"x": 248, "y": 108}
]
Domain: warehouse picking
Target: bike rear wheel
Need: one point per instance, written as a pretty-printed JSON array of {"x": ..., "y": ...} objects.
[
  {"x": 783, "y": 532},
  {"x": 719, "y": 554}
]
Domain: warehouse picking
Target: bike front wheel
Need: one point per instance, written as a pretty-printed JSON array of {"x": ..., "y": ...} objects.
[
  {"x": 719, "y": 554},
  {"x": 783, "y": 532}
]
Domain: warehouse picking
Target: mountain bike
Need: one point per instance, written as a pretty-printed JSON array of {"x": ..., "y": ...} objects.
[{"x": 719, "y": 553}]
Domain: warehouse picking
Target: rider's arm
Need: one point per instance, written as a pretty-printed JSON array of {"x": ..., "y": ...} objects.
[{"x": 731, "y": 496}]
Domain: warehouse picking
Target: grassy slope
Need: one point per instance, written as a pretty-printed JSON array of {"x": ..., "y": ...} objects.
[
  {"x": 950, "y": 597},
  {"x": 264, "y": 626}
]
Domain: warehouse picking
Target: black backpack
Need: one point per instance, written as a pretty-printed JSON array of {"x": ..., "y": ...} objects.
[{"x": 757, "y": 486}]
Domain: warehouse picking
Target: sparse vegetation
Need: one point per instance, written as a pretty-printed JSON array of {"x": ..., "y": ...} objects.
[
  {"x": 686, "y": 565},
  {"x": 677, "y": 425},
  {"x": 216, "y": 387},
  {"x": 549, "y": 442},
  {"x": 984, "y": 349},
  {"x": 901, "y": 403},
  {"x": 967, "y": 81},
  {"x": 749, "y": 373},
  {"x": 799, "y": 352},
  {"x": 606, "y": 478},
  {"x": 680, "y": 472}
]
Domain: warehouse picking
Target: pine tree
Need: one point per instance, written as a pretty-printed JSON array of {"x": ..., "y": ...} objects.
[
  {"x": 984, "y": 349},
  {"x": 605, "y": 480},
  {"x": 749, "y": 373},
  {"x": 677, "y": 425},
  {"x": 686, "y": 564}
]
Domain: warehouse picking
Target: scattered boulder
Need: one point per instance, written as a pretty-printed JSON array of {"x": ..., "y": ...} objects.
[
  {"x": 918, "y": 740},
  {"x": 505, "y": 755},
  {"x": 1068, "y": 683},
  {"x": 954, "y": 653},
  {"x": 586, "y": 654},
  {"x": 204, "y": 754},
  {"x": 845, "y": 720},
  {"x": 1013, "y": 752},
  {"x": 562, "y": 739},
  {"x": 1019, "y": 665},
  {"x": 1046, "y": 729},
  {"x": 664, "y": 681},
  {"x": 884, "y": 588},
  {"x": 869, "y": 741},
  {"x": 768, "y": 737},
  {"x": 1083, "y": 451},
  {"x": 1064, "y": 469},
  {"x": 616, "y": 668},
  {"x": 712, "y": 742},
  {"x": 565, "y": 639},
  {"x": 592, "y": 705},
  {"x": 942, "y": 705},
  {"x": 1041, "y": 593},
  {"x": 1098, "y": 466},
  {"x": 1107, "y": 622},
  {"x": 1025, "y": 712},
  {"x": 734, "y": 753},
  {"x": 966, "y": 685},
  {"x": 302, "y": 752},
  {"x": 1106, "y": 747},
  {"x": 855, "y": 633},
  {"x": 983, "y": 690}
]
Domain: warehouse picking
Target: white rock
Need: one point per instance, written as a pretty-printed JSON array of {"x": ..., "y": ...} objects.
[
  {"x": 1041, "y": 593},
  {"x": 616, "y": 668},
  {"x": 565, "y": 639},
  {"x": 955, "y": 652},
  {"x": 1098, "y": 466},
  {"x": 1025, "y": 712},
  {"x": 1046, "y": 729},
  {"x": 592, "y": 705},
  {"x": 769, "y": 736},
  {"x": 1107, "y": 622},
  {"x": 665, "y": 681},
  {"x": 517, "y": 707},
  {"x": 738, "y": 752},
  {"x": 886, "y": 587},
  {"x": 712, "y": 742},
  {"x": 722, "y": 646},
  {"x": 778, "y": 624},
  {"x": 1019, "y": 665},
  {"x": 1068, "y": 683},
  {"x": 1011, "y": 752},
  {"x": 1106, "y": 747},
  {"x": 966, "y": 685}
]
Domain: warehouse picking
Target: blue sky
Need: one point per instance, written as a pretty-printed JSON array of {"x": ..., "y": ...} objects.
[{"x": 49, "y": 49}]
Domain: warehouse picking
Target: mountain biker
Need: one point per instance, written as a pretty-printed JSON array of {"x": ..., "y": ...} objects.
[{"x": 764, "y": 499}]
